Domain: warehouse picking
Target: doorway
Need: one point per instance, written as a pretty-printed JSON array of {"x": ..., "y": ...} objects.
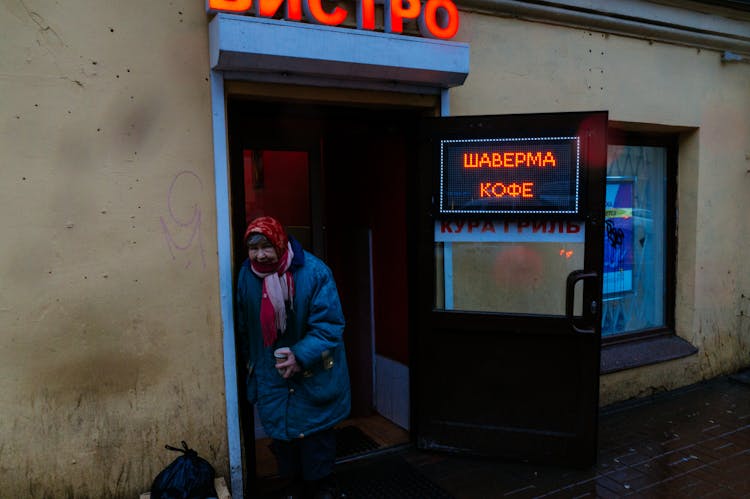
[{"x": 338, "y": 177}]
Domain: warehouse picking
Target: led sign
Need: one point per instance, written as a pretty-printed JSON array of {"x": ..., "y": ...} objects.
[
  {"x": 435, "y": 18},
  {"x": 510, "y": 175}
]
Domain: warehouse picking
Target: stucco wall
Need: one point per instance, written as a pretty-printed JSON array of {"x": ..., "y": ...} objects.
[
  {"x": 524, "y": 67},
  {"x": 110, "y": 335}
]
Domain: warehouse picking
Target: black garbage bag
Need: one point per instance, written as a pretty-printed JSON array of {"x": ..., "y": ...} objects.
[{"x": 187, "y": 477}]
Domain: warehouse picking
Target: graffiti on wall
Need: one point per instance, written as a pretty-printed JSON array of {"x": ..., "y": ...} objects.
[{"x": 182, "y": 226}]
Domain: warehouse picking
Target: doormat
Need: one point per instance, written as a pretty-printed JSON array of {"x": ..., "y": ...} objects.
[
  {"x": 388, "y": 478},
  {"x": 351, "y": 441}
]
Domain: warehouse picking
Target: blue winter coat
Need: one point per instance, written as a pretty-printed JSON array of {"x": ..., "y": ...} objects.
[{"x": 318, "y": 397}]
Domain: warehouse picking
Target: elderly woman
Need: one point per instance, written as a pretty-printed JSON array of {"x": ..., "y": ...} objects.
[{"x": 287, "y": 301}]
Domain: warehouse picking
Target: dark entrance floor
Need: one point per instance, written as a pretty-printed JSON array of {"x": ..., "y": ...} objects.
[{"x": 691, "y": 442}]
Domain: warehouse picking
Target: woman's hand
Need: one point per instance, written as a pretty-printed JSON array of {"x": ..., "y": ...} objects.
[{"x": 288, "y": 367}]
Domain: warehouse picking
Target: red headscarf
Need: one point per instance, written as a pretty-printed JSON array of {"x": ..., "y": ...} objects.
[
  {"x": 278, "y": 285},
  {"x": 272, "y": 229}
]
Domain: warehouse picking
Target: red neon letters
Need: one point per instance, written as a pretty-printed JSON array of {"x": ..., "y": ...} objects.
[
  {"x": 316, "y": 13},
  {"x": 509, "y": 159},
  {"x": 500, "y": 190},
  {"x": 436, "y": 18},
  {"x": 229, "y": 5},
  {"x": 439, "y": 18}
]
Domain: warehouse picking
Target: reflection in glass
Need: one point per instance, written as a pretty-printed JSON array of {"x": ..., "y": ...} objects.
[
  {"x": 509, "y": 277},
  {"x": 634, "y": 280}
]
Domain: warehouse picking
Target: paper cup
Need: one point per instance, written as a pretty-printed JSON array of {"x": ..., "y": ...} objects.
[{"x": 280, "y": 357}]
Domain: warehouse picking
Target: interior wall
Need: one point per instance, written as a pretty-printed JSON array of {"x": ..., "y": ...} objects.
[
  {"x": 277, "y": 184},
  {"x": 366, "y": 166}
]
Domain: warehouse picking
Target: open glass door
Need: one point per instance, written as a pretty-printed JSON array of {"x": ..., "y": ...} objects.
[{"x": 509, "y": 285}]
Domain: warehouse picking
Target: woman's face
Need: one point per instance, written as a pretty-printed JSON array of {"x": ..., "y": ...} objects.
[{"x": 262, "y": 252}]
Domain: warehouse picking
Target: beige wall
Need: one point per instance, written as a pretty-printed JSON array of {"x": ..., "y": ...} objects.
[
  {"x": 523, "y": 67},
  {"x": 110, "y": 334}
]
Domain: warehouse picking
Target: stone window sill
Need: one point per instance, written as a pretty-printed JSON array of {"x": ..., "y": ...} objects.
[{"x": 643, "y": 351}]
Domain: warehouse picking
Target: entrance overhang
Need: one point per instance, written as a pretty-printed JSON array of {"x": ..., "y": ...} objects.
[{"x": 276, "y": 50}]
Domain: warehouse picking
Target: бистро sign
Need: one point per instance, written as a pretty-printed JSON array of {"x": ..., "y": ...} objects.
[{"x": 436, "y": 18}]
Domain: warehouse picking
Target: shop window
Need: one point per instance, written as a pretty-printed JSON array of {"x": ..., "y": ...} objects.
[
  {"x": 640, "y": 253},
  {"x": 634, "y": 280}
]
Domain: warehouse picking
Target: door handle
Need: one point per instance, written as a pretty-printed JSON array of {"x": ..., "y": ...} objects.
[{"x": 570, "y": 285}]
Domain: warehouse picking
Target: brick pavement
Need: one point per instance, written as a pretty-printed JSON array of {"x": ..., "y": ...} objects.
[{"x": 691, "y": 442}]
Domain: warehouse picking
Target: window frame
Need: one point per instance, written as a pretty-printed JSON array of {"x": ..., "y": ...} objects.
[{"x": 661, "y": 344}]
